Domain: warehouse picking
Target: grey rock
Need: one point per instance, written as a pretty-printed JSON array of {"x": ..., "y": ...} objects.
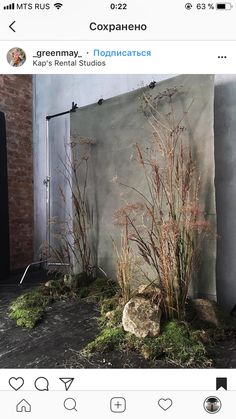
[
  {"x": 206, "y": 311},
  {"x": 151, "y": 292},
  {"x": 50, "y": 284},
  {"x": 142, "y": 317}
]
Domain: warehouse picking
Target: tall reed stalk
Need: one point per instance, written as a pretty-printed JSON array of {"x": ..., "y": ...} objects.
[
  {"x": 72, "y": 243},
  {"x": 124, "y": 264},
  {"x": 167, "y": 225}
]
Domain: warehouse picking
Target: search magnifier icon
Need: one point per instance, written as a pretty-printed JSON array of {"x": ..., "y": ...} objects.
[{"x": 70, "y": 404}]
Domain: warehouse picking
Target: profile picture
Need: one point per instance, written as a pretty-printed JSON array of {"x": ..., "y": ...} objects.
[
  {"x": 16, "y": 57},
  {"x": 212, "y": 405}
]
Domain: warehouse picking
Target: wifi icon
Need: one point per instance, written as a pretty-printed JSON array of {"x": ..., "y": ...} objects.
[{"x": 58, "y": 5}]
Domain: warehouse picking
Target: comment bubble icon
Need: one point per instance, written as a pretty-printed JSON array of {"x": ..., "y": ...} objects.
[{"x": 41, "y": 384}]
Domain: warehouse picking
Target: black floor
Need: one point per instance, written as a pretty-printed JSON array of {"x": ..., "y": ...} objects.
[{"x": 67, "y": 326}]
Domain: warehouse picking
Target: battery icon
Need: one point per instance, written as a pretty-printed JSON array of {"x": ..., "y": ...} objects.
[{"x": 224, "y": 6}]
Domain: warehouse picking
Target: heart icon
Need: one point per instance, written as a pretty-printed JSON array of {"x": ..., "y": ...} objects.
[
  {"x": 16, "y": 383},
  {"x": 165, "y": 404}
]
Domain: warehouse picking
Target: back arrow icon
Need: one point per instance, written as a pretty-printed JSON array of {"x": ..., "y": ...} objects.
[{"x": 11, "y": 26}]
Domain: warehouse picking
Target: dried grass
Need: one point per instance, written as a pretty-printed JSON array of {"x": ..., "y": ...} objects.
[
  {"x": 71, "y": 244},
  {"x": 167, "y": 225},
  {"x": 124, "y": 265}
]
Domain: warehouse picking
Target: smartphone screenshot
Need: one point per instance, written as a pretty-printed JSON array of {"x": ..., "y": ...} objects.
[{"x": 117, "y": 209}]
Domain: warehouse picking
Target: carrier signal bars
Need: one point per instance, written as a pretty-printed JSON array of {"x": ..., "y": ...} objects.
[{"x": 10, "y": 6}]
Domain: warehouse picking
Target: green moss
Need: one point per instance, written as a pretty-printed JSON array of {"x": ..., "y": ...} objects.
[
  {"x": 115, "y": 317},
  {"x": 98, "y": 290},
  {"x": 29, "y": 308},
  {"x": 112, "y": 333},
  {"x": 109, "y": 339},
  {"x": 111, "y": 318},
  {"x": 109, "y": 304},
  {"x": 178, "y": 345},
  {"x": 58, "y": 290}
]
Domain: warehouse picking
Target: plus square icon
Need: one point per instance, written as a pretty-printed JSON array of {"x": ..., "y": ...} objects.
[{"x": 118, "y": 405}]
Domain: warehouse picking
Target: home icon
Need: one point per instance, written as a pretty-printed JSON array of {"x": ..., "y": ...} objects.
[{"x": 23, "y": 407}]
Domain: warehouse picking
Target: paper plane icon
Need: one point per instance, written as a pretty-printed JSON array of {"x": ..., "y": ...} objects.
[{"x": 67, "y": 382}]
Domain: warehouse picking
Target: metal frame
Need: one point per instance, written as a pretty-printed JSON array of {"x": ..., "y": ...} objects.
[{"x": 47, "y": 183}]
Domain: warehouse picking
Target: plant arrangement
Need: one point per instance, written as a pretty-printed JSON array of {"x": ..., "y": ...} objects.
[
  {"x": 167, "y": 224},
  {"x": 72, "y": 245},
  {"x": 165, "y": 228}
]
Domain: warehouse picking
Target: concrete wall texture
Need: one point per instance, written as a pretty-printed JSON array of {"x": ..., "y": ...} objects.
[
  {"x": 115, "y": 127},
  {"x": 54, "y": 94},
  {"x": 16, "y": 103}
]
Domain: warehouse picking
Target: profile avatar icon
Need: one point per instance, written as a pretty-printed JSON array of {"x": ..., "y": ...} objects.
[
  {"x": 16, "y": 57},
  {"x": 212, "y": 405}
]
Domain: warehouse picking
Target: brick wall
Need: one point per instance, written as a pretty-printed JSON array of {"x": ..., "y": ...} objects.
[{"x": 16, "y": 103}]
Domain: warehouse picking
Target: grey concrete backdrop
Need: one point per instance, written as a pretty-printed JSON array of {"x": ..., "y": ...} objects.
[
  {"x": 115, "y": 127},
  {"x": 55, "y": 93}
]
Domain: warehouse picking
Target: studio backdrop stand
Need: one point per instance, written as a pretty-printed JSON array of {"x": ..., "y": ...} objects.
[{"x": 47, "y": 183}]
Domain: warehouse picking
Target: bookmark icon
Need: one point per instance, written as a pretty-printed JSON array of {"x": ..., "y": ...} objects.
[{"x": 221, "y": 383}]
